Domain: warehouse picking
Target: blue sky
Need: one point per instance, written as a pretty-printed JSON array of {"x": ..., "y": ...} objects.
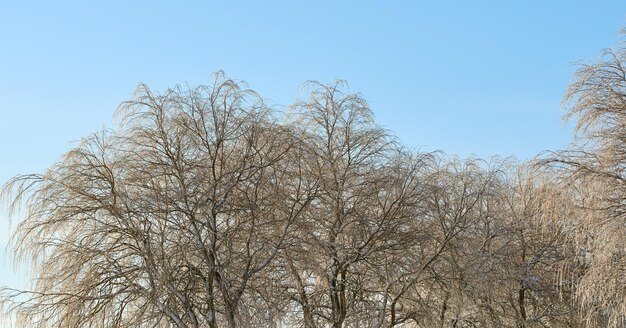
[{"x": 466, "y": 77}]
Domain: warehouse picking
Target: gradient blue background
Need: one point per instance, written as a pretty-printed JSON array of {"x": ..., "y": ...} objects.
[{"x": 466, "y": 77}]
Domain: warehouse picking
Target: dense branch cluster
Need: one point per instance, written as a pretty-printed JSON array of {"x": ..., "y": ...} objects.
[{"x": 207, "y": 208}]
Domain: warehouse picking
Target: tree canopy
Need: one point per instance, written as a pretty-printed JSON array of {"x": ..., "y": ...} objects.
[{"x": 206, "y": 207}]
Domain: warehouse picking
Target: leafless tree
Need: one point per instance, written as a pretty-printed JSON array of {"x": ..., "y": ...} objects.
[
  {"x": 364, "y": 207},
  {"x": 169, "y": 219},
  {"x": 594, "y": 170}
]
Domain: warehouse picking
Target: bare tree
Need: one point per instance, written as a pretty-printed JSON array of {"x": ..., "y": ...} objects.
[
  {"x": 535, "y": 228},
  {"x": 594, "y": 170},
  {"x": 170, "y": 218},
  {"x": 464, "y": 206},
  {"x": 365, "y": 203}
]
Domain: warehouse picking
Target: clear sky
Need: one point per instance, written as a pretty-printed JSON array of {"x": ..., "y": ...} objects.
[{"x": 466, "y": 77}]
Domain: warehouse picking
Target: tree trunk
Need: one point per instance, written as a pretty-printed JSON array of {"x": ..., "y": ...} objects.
[
  {"x": 522, "y": 307},
  {"x": 210, "y": 313}
]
